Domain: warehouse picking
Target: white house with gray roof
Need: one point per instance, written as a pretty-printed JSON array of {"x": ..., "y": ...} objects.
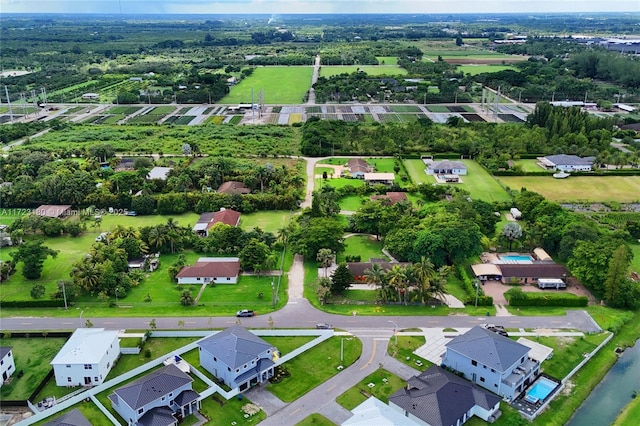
[
  {"x": 72, "y": 418},
  {"x": 7, "y": 363},
  {"x": 492, "y": 361},
  {"x": 375, "y": 412},
  {"x": 440, "y": 398},
  {"x": 157, "y": 399},
  {"x": 87, "y": 357},
  {"x": 238, "y": 357},
  {"x": 446, "y": 167},
  {"x": 567, "y": 163}
]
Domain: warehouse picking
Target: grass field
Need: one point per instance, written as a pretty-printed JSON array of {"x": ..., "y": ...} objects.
[
  {"x": 352, "y": 202},
  {"x": 478, "y": 181},
  {"x": 529, "y": 165},
  {"x": 268, "y": 221},
  {"x": 363, "y": 246},
  {"x": 479, "y": 69},
  {"x": 387, "y": 60},
  {"x": 372, "y": 70},
  {"x": 28, "y": 355},
  {"x": 623, "y": 189},
  {"x": 339, "y": 182},
  {"x": 384, "y": 385},
  {"x": 270, "y": 79}
]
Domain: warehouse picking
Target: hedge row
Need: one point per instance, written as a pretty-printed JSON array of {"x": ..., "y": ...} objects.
[
  {"x": 55, "y": 303},
  {"x": 470, "y": 289},
  {"x": 517, "y": 297},
  {"x": 617, "y": 172}
]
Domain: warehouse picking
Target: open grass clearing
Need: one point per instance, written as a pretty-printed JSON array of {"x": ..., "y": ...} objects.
[
  {"x": 325, "y": 359},
  {"x": 361, "y": 245},
  {"x": 387, "y": 60},
  {"x": 229, "y": 412},
  {"x": 415, "y": 169},
  {"x": 384, "y": 385},
  {"x": 371, "y": 70},
  {"x": 32, "y": 357},
  {"x": 352, "y": 202},
  {"x": 268, "y": 221},
  {"x": 403, "y": 351},
  {"x": 622, "y": 189},
  {"x": 567, "y": 352},
  {"x": 635, "y": 262},
  {"x": 270, "y": 79},
  {"x": 630, "y": 412},
  {"x": 339, "y": 182},
  {"x": 529, "y": 165}
]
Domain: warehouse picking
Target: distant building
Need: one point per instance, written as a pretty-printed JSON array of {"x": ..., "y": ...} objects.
[
  {"x": 161, "y": 173},
  {"x": 567, "y": 163},
  {"x": 7, "y": 363},
  {"x": 207, "y": 220},
  {"x": 379, "y": 178},
  {"x": 446, "y": 167},
  {"x": 214, "y": 270},
  {"x": 91, "y": 96},
  {"x": 391, "y": 197},
  {"x": 87, "y": 357},
  {"x": 238, "y": 357},
  {"x": 233, "y": 187},
  {"x": 50, "y": 210},
  {"x": 438, "y": 397},
  {"x": 357, "y": 167}
]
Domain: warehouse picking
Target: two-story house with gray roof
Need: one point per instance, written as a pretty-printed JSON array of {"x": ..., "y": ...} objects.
[
  {"x": 72, "y": 418},
  {"x": 440, "y": 398},
  {"x": 492, "y": 361},
  {"x": 7, "y": 363},
  {"x": 157, "y": 398},
  {"x": 238, "y": 357}
]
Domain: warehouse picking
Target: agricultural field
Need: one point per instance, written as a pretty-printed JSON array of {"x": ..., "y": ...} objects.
[
  {"x": 474, "y": 69},
  {"x": 372, "y": 70},
  {"x": 270, "y": 79},
  {"x": 622, "y": 189}
]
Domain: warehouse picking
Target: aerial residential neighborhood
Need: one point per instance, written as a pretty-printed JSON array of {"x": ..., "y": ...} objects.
[{"x": 390, "y": 215}]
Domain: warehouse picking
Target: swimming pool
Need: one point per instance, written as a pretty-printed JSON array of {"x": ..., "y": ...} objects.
[
  {"x": 516, "y": 258},
  {"x": 541, "y": 389}
]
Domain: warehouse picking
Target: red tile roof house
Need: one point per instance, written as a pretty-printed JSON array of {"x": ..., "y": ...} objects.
[
  {"x": 233, "y": 187},
  {"x": 215, "y": 270},
  {"x": 207, "y": 220}
]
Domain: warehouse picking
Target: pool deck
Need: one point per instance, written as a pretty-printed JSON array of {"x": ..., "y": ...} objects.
[{"x": 528, "y": 408}]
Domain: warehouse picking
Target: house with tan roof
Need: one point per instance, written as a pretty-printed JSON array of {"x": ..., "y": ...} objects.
[
  {"x": 211, "y": 270},
  {"x": 391, "y": 197},
  {"x": 233, "y": 187}
]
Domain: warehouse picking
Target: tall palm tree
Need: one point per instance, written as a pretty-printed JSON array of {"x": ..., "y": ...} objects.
[
  {"x": 397, "y": 279},
  {"x": 173, "y": 231},
  {"x": 86, "y": 274},
  {"x": 424, "y": 273},
  {"x": 376, "y": 277},
  {"x": 158, "y": 237},
  {"x": 325, "y": 257}
]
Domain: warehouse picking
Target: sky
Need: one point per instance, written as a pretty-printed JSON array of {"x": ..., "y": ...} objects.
[{"x": 315, "y": 6}]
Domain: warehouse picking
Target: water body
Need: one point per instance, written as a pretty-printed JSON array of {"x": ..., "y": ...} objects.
[{"x": 613, "y": 393}]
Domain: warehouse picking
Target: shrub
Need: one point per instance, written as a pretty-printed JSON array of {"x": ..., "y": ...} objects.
[{"x": 517, "y": 297}]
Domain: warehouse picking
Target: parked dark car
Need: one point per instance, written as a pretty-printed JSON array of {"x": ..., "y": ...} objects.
[
  {"x": 324, "y": 326},
  {"x": 245, "y": 313}
]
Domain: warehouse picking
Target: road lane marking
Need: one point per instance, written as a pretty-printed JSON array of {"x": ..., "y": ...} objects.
[
  {"x": 373, "y": 354},
  {"x": 331, "y": 388},
  {"x": 295, "y": 411},
  {"x": 67, "y": 323},
  {"x": 26, "y": 323}
]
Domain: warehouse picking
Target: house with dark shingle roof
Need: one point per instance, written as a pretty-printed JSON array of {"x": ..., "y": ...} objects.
[
  {"x": 440, "y": 398},
  {"x": 446, "y": 167},
  {"x": 238, "y": 357},
  {"x": 492, "y": 361},
  {"x": 157, "y": 398},
  {"x": 358, "y": 167},
  {"x": 207, "y": 220},
  {"x": 72, "y": 418},
  {"x": 391, "y": 197}
]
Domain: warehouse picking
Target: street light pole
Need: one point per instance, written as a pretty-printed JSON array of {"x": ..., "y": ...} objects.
[
  {"x": 395, "y": 330},
  {"x": 64, "y": 295},
  {"x": 476, "y": 294},
  {"x": 82, "y": 312},
  {"x": 273, "y": 294}
]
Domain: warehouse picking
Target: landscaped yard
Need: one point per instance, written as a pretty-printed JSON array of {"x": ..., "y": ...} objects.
[
  {"x": 270, "y": 79},
  {"x": 403, "y": 351},
  {"x": 384, "y": 385},
  {"x": 568, "y": 352},
  {"x": 529, "y": 165},
  {"x": 268, "y": 221},
  {"x": 623, "y": 189},
  {"x": 325, "y": 359},
  {"x": 363, "y": 246},
  {"x": 31, "y": 356},
  {"x": 88, "y": 409},
  {"x": 416, "y": 168}
]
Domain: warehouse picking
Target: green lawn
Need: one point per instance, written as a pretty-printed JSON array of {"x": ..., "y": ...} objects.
[
  {"x": 270, "y": 80},
  {"x": 567, "y": 352},
  {"x": 287, "y": 344},
  {"x": 32, "y": 357},
  {"x": 388, "y": 60},
  {"x": 479, "y": 69},
  {"x": 339, "y": 182},
  {"x": 88, "y": 409},
  {"x": 629, "y": 412},
  {"x": 481, "y": 184},
  {"x": 635, "y": 262},
  {"x": 371, "y": 70},
  {"x": 622, "y": 189},
  {"x": 363, "y": 246},
  {"x": 229, "y": 412},
  {"x": 416, "y": 168},
  {"x": 352, "y": 202},
  {"x": 529, "y": 165},
  {"x": 403, "y": 351},
  {"x": 384, "y": 385},
  {"x": 325, "y": 358}
]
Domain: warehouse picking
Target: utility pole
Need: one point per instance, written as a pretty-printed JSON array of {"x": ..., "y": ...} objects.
[
  {"x": 6, "y": 91},
  {"x": 64, "y": 295}
]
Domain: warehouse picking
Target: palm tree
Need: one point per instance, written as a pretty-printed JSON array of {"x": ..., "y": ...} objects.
[
  {"x": 158, "y": 237},
  {"x": 425, "y": 274},
  {"x": 186, "y": 299},
  {"x": 397, "y": 279},
  {"x": 86, "y": 274},
  {"x": 173, "y": 231},
  {"x": 325, "y": 257},
  {"x": 376, "y": 276}
]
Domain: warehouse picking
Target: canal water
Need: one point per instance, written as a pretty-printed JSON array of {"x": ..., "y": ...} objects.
[{"x": 613, "y": 393}]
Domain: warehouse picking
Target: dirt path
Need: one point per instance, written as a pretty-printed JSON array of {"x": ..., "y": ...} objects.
[{"x": 296, "y": 279}]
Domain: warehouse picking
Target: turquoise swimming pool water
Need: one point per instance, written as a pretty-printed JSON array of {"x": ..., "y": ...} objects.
[
  {"x": 516, "y": 258},
  {"x": 542, "y": 389}
]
